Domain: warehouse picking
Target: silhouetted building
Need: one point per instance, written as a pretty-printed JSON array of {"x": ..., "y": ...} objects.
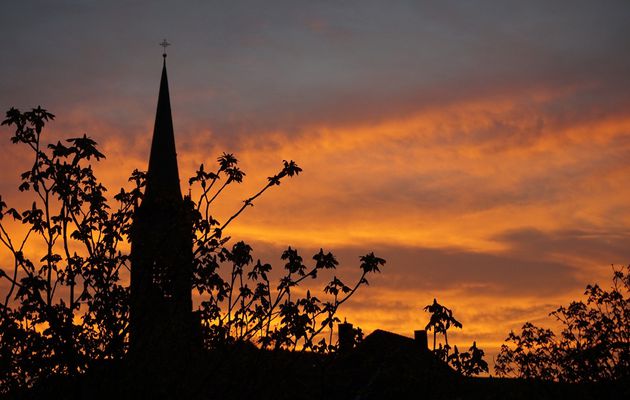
[
  {"x": 421, "y": 339},
  {"x": 161, "y": 321},
  {"x": 346, "y": 336},
  {"x": 383, "y": 365},
  {"x": 392, "y": 366}
]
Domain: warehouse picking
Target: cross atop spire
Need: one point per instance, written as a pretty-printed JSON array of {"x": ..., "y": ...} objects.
[{"x": 164, "y": 44}]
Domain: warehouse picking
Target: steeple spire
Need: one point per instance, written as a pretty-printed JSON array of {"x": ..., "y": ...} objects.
[
  {"x": 163, "y": 175},
  {"x": 162, "y": 326}
]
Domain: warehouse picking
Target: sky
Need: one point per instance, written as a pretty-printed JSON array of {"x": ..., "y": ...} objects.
[{"x": 482, "y": 148}]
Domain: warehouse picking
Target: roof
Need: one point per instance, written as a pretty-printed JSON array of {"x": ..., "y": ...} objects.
[
  {"x": 388, "y": 365},
  {"x": 384, "y": 366}
]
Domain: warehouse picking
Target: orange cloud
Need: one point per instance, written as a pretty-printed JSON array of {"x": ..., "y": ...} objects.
[{"x": 486, "y": 191}]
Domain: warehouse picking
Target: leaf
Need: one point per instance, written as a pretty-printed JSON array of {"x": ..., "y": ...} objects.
[
  {"x": 13, "y": 212},
  {"x": 291, "y": 168},
  {"x": 370, "y": 263},
  {"x": 325, "y": 261},
  {"x": 226, "y": 160},
  {"x": 86, "y": 147},
  {"x": 3, "y": 205}
]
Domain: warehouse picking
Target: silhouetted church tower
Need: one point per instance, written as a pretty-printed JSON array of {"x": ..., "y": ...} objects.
[{"x": 161, "y": 322}]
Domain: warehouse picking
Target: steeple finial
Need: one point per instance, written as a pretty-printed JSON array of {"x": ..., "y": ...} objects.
[{"x": 164, "y": 44}]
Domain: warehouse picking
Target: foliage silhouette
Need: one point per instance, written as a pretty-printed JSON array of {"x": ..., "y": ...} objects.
[
  {"x": 467, "y": 363},
  {"x": 593, "y": 345},
  {"x": 66, "y": 308},
  {"x": 470, "y": 362}
]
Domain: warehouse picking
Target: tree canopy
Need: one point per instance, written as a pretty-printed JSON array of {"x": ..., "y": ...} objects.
[
  {"x": 593, "y": 344},
  {"x": 66, "y": 306}
]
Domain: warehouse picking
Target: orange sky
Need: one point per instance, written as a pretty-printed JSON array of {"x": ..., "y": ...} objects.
[{"x": 490, "y": 169}]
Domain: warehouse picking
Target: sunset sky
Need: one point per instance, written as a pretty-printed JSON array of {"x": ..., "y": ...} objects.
[{"x": 481, "y": 148}]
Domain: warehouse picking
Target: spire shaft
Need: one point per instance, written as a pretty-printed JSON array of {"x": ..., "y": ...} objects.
[{"x": 163, "y": 174}]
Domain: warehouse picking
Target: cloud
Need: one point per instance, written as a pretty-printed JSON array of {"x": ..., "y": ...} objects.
[
  {"x": 435, "y": 270},
  {"x": 481, "y": 149},
  {"x": 590, "y": 249},
  {"x": 246, "y": 69}
]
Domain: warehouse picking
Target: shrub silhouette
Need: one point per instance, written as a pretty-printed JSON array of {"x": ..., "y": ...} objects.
[
  {"x": 66, "y": 307},
  {"x": 593, "y": 345},
  {"x": 441, "y": 320}
]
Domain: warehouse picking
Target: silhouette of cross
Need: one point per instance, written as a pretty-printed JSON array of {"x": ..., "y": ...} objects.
[{"x": 164, "y": 44}]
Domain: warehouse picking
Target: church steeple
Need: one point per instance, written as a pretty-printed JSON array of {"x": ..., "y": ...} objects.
[
  {"x": 162, "y": 326},
  {"x": 163, "y": 174}
]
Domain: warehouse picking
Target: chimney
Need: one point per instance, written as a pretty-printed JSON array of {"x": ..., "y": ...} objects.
[
  {"x": 421, "y": 339},
  {"x": 346, "y": 337}
]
